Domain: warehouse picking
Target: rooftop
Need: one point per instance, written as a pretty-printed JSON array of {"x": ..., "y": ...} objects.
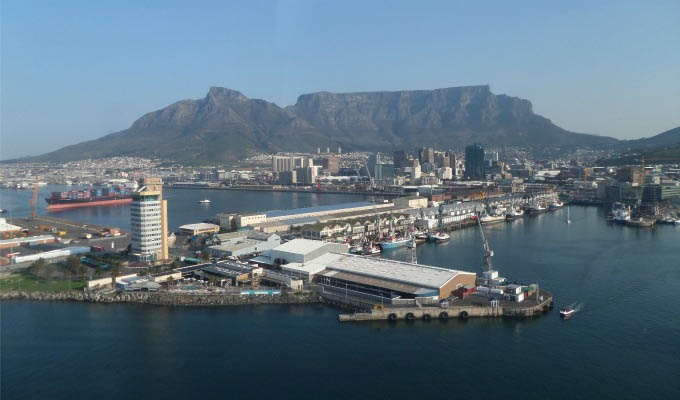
[
  {"x": 282, "y": 213},
  {"x": 300, "y": 246},
  {"x": 397, "y": 271},
  {"x": 199, "y": 226}
]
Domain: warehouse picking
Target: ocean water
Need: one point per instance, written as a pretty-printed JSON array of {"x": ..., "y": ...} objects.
[
  {"x": 183, "y": 206},
  {"x": 624, "y": 343}
]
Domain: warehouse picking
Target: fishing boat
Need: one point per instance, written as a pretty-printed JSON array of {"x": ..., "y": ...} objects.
[
  {"x": 356, "y": 249},
  {"x": 537, "y": 209},
  {"x": 514, "y": 214},
  {"x": 566, "y": 312},
  {"x": 392, "y": 242},
  {"x": 492, "y": 219},
  {"x": 204, "y": 201},
  {"x": 555, "y": 206}
]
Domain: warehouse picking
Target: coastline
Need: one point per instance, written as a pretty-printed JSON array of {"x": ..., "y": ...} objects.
[{"x": 164, "y": 299}]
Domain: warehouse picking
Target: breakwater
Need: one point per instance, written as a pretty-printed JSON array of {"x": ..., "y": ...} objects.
[{"x": 165, "y": 299}]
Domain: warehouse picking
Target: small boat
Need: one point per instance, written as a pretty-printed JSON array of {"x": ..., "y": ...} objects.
[
  {"x": 555, "y": 206},
  {"x": 358, "y": 249},
  {"x": 514, "y": 214},
  {"x": 439, "y": 237},
  {"x": 393, "y": 243},
  {"x": 420, "y": 238},
  {"x": 204, "y": 201},
  {"x": 537, "y": 209},
  {"x": 566, "y": 312},
  {"x": 491, "y": 219},
  {"x": 371, "y": 250}
]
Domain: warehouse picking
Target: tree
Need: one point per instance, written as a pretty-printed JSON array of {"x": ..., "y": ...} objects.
[
  {"x": 206, "y": 256},
  {"x": 76, "y": 267},
  {"x": 115, "y": 271},
  {"x": 170, "y": 281},
  {"x": 37, "y": 267}
]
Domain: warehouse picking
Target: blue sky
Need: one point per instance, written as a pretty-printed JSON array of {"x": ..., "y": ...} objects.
[{"x": 73, "y": 71}]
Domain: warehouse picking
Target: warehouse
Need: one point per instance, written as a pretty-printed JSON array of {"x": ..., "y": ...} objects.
[
  {"x": 201, "y": 228},
  {"x": 250, "y": 242},
  {"x": 390, "y": 280}
]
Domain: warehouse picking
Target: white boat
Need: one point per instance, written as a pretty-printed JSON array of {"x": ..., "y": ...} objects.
[
  {"x": 566, "y": 312},
  {"x": 622, "y": 216},
  {"x": 204, "y": 201},
  {"x": 439, "y": 237},
  {"x": 556, "y": 205},
  {"x": 514, "y": 214},
  {"x": 490, "y": 219}
]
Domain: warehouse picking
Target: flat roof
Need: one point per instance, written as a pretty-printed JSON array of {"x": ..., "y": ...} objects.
[
  {"x": 397, "y": 271},
  {"x": 365, "y": 280},
  {"x": 236, "y": 246},
  {"x": 332, "y": 207},
  {"x": 199, "y": 226},
  {"x": 300, "y": 246},
  {"x": 314, "y": 266}
]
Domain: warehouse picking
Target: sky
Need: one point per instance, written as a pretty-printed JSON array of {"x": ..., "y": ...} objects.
[{"x": 72, "y": 71}]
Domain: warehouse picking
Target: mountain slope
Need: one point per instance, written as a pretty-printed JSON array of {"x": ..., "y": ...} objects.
[
  {"x": 226, "y": 125},
  {"x": 668, "y": 138}
]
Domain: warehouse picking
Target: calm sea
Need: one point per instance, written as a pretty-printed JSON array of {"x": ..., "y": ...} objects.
[{"x": 623, "y": 343}]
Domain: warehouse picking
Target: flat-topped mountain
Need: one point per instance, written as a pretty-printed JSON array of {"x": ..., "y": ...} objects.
[{"x": 226, "y": 125}]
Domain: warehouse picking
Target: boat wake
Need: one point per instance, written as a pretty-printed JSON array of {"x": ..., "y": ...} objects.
[{"x": 576, "y": 306}]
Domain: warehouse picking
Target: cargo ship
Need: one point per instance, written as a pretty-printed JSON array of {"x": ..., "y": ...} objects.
[{"x": 88, "y": 198}]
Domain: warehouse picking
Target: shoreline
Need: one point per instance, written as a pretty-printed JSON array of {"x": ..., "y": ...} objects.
[{"x": 164, "y": 299}]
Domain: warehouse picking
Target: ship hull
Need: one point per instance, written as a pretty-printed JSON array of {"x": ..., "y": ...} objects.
[
  {"x": 94, "y": 203},
  {"x": 394, "y": 245}
]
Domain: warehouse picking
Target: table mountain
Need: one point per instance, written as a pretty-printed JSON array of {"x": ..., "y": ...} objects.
[{"x": 226, "y": 125}]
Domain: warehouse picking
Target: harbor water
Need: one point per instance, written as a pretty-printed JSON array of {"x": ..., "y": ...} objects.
[{"x": 621, "y": 344}]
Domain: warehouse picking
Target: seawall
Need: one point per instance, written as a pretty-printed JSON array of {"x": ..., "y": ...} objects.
[{"x": 165, "y": 299}]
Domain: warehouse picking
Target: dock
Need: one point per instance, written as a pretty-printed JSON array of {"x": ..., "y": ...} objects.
[{"x": 474, "y": 306}]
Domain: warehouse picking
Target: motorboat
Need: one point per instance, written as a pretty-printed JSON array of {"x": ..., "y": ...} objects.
[
  {"x": 566, "y": 312},
  {"x": 439, "y": 237},
  {"x": 204, "y": 201},
  {"x": 371, "y": 250}
]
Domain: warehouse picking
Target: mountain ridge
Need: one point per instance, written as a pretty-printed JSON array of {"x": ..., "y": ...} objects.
[{"x": 226, "y": 125}]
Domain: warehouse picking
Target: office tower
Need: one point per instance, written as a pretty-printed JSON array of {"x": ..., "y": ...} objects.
[
  {"x": 149, "y": 221},
  {"x": 474, "y": 162}
]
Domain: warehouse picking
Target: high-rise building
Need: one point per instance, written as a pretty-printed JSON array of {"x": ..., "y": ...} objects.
[
  {"x": 452, "y": 159},
  {"x": 149, "y": 221},
  {"x": 282, "y": 163},
  {"x": 426, "y": 155},
  {"x": 474, "y": 162},
  {"x": 400, "y": 159}
]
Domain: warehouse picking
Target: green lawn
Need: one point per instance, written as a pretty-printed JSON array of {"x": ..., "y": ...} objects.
[{"x": 29, "y": 283}]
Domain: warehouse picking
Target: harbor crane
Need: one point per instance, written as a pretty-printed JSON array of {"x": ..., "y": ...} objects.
[{"x": 488, "y": 253}]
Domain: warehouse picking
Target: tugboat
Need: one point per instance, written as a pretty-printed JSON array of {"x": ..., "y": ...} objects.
[{"x": 566, "y": 312}]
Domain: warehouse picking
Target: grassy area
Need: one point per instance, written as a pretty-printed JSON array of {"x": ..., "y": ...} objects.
[{"x": 28, "y": 283}]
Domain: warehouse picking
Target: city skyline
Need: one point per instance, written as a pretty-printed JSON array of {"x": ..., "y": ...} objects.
[{"x": 605, "y": 70}]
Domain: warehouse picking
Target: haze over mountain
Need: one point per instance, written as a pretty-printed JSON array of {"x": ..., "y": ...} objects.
[{"x": 225, "y": 125}]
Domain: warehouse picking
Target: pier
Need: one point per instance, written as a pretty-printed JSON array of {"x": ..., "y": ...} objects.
[{"x": 473, "y": 306}]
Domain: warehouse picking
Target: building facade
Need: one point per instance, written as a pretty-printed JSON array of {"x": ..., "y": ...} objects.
[
  {"x": 474, "y": 162},
  {"x": 148, "y": 222}
]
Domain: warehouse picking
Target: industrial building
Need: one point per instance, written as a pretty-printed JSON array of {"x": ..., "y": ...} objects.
[
  {"x": 149, "y": 221},
  {"x": 7, "y": 228},
  {"x": 245, "y": 243},
  {"x": 27, "y": 241},
  {"x": 390, "y": 281},
  {"x": 201, "y": 228}
]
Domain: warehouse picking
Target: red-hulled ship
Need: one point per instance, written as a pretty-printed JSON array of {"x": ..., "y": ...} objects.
[{"x": 88, "y": 198}]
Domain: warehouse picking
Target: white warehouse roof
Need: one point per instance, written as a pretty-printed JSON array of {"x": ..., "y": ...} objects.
[
  {"x": 301, "y": 246},
  {"x": 414, "y": 274}
]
